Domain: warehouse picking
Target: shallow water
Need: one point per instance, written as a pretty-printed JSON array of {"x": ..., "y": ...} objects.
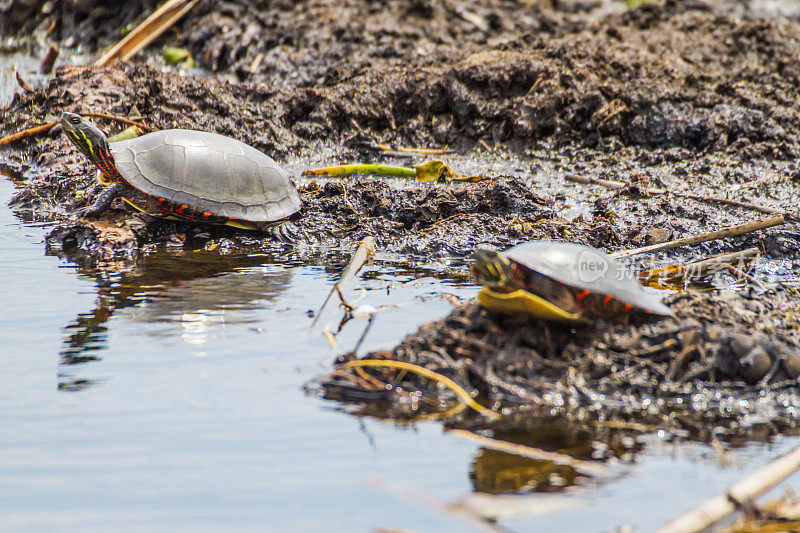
[{"x": 168, "y": 394}]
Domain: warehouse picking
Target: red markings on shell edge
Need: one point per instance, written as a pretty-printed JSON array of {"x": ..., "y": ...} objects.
[
  {"x": 160, "y": 201},
  {"x": 626, "y": 308},
  {"x": 608, "y": 298},
  {"x": 206, "y": 214},
  {"x": 582, "y": 295},
  {"x": 182, "y": 208}
]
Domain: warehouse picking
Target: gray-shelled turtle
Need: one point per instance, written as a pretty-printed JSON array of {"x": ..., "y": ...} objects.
[
  {"x": 561, "y": 281},
  {"x": 188, "y": 175}
]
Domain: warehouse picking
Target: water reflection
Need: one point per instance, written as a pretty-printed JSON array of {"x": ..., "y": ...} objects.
[{"x": 196, "y": 293}]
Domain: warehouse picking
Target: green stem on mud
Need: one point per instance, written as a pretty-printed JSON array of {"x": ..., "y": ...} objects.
[{"x": 347, "y": 170}]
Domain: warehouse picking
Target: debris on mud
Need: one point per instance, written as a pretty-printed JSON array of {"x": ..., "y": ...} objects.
[
  {"x": 729, "y": 354},
  {"x": 666, "y": 94}
]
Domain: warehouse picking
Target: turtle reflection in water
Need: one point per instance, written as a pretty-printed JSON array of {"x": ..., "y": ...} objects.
[
  {"x": 561, "y": 281},
  {"x": 187, "y": 175},
  {"x": 173, "y": 291}
]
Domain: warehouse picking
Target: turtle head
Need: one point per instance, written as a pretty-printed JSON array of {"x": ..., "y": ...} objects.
[
  {"x": 86, "y": 136},
  {"x": 490, "y": 267}
]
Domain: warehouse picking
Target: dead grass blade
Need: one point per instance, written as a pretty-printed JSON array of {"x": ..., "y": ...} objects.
[{"x": 153, "y": 26}]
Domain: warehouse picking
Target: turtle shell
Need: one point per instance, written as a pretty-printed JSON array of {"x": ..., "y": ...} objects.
[
  {"x": 209, "y": 172},
  {"x": 587, "y": 268}
]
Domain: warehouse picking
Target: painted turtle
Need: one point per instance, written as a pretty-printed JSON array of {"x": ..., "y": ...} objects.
[
  {"x": 561, "y": 281},
  {"x": 187, "y": 175}
]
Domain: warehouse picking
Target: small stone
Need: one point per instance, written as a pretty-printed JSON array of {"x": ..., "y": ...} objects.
[{"x": 755, "y": 364}]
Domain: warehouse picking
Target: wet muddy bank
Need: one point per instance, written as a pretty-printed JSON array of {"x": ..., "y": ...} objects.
[
  {"x": 727, "y": 355},
  {"x": 502, "y": 210}
]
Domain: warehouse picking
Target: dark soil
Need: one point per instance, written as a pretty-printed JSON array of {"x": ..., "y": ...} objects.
[
  {"x": 689, "y": 96},
  {"x": 725, "y": 354}
]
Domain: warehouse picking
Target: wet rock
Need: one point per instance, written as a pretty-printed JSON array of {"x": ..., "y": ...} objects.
[
  {"x": 743, "y": 355},
  {"x": 790, "y": 361}
]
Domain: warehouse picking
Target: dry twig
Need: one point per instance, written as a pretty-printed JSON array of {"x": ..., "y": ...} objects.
[
  {"x": 365, "y": 249},
  {"x": 119, "y": 119},
  {"x": 617, "y": 185},
  {"x": 24, "y": 134},
  {"x": 732, "y": 231}
]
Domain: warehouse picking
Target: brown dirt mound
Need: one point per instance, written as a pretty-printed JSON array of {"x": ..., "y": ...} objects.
[{"x": 727, "y": 354}]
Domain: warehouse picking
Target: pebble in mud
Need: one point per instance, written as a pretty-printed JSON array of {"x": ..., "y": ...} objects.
[
  {"x": 790, "y": 361},
  {"x": 743, "y": 355}
]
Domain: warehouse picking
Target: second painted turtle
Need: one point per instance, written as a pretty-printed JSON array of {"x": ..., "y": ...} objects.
[{"x": 561, "y": 281}]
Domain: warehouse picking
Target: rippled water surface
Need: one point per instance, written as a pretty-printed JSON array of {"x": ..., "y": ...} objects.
[{"x": 168, "y": 395}]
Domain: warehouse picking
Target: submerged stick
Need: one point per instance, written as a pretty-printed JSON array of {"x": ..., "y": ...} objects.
[
  {"x": 365, "y": 249},
  {"x": 153, "y": 26},
  {"x": 459, "y": 391},
  {"x": 585, "y": 467},
  {"x": 720, "y": 506},
  {"x": 732, "y": 231}
]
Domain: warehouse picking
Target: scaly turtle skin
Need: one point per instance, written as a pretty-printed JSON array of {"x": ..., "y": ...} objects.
[
  {"x": 187, "y": 175},
  {"x": 561, "y": 281}
]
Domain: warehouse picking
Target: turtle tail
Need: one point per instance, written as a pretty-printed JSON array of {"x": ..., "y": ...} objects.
[{"x": 490, "y": 267}]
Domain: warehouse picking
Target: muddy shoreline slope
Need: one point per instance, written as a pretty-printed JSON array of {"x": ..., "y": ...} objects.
[{"x": 697, "y": 97}]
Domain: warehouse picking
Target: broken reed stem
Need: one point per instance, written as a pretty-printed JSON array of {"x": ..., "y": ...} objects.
[
  {"x": 720, "y": 506},
  {"x": 732, "y": 231},
  {"x": 349, "y": 170},
  {"x": 426, "y": 151},
  {"x": 22, "y": 83},
  {"x": 588, "y": 180},
  {"x": 363, "y": 336},
  {"x": 365, "y": 249},
  {"x": 616, "y": 185},
  {"x": 585, "y": 467},
  {"x": 153, "y": 26}
]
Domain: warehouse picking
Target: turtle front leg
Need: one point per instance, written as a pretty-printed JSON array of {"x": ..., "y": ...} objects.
[{"x": 102, "y": 201}]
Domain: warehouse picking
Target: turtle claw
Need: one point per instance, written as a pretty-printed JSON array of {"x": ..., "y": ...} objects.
[{"x": 284, "y": 232}]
